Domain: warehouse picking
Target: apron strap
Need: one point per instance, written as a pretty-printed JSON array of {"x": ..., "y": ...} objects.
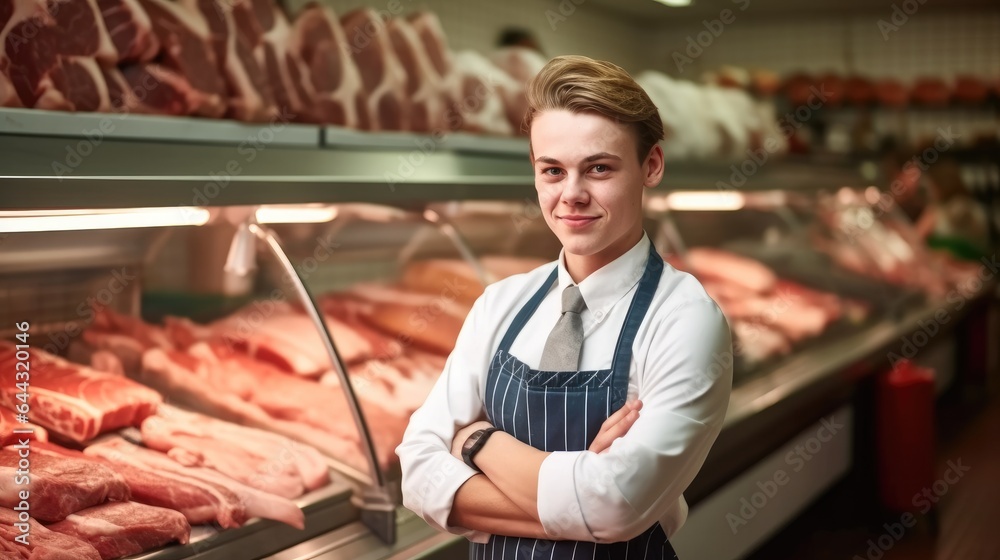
[
  {"x": 527, "y": 311},
  {"x": 633, "y": 320}
]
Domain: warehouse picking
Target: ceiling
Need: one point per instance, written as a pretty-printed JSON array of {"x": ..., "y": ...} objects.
[{"x": 649, "y": 11}]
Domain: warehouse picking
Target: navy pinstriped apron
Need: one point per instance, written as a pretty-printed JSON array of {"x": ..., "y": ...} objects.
[{"x": 563, "y": 411}]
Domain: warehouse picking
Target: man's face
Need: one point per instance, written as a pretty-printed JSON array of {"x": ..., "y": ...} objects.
[{"x": 590, "y": 183}]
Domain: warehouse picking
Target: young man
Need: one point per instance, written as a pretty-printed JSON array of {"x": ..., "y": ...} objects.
[{"x": 581, "y": 398}]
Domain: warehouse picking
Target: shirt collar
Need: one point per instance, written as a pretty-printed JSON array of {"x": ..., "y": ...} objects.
[{"x": 609, "y": 284}]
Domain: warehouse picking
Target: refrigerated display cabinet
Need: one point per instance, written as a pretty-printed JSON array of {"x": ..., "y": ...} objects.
[{"x": 204, "y": 191}]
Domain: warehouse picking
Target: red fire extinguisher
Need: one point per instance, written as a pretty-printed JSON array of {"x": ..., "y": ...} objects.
[{"x": 905, "y": 434}]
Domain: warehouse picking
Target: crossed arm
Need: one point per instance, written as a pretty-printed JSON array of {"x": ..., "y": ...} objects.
[{"x": 503, "y": 500}]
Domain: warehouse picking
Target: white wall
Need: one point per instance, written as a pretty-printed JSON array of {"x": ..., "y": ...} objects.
[{"x": 928, "y": 43}]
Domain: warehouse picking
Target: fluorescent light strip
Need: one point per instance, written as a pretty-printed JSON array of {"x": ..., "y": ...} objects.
[
  {"x": 76, "y": 220},
  {"x": 705, "y": 200},
  {"x": 295, "y": 215},
  {"x": 674, "y": 3}
]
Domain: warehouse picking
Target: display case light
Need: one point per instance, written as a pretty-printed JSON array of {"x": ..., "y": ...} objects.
[
  {"x": 23, "y": 221},
  {"x": 296, "y": 214},
  {"x": 675, "y": 3},
  {"x": 705, "y": 200}
]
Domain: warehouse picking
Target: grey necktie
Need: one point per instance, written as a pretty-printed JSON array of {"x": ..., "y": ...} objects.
[{"x": 562, "y": 349}]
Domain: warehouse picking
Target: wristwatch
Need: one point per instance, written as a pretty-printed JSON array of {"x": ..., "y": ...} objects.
[{"x": 475, "y": 443}]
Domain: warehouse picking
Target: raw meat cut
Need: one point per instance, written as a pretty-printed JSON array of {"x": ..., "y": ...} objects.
[
  {"x": 308, "y": 463},
  {"x": 75, "y": 401},
  {"x": 424, "y": 88},
  {"x": 50, "y": 67},
  {"x": 477, "y": 86},
  {"x": 155, "y": 88},
  {"x": 251, "y": 97},
  {"x": 257, "y": 503},
  {"x": 277, "y": 333},
  {"x": 130, "y": 30},
  {"x": 192, "y": 382},
  {"x": 194, "y": 446},
  {"x": 59, "y": 486},
  {"x": 382, "y": 76},
  {"x": 521, "y": 64},
  {"x": 756, "y": 343},
  {"x": 263, "y": 27},
  {"x": 319, "y": 40},
  {"x": 197, "y": 501},
  {"x": 187, "y": 52},
  {"x": 43, "y": 543},
  {"x": 119, "y": 529},
  {"x": 8, "y": 95},
  {"x": 435, "y": 43},
  {"x": 9, "y": 423},
  {"x": 431, "y": 322},
  {"x": 459, "y": 278},
  {"x": 714, "y": 263}
]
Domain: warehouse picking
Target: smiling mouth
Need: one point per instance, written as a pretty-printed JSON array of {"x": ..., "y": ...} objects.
[{"x": 577, "y": 221}]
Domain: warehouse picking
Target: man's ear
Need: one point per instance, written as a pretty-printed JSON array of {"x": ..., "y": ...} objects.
[{"x": 653, "y": 166}]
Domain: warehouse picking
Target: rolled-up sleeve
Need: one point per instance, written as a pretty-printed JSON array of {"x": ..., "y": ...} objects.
[
  {"x": 684, "y": 384},
  {"x": 431, "y": 475}
]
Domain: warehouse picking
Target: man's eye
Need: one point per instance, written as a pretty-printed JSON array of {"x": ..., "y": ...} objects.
[
  {"x": 554, "y": 171},
  {"x": 600, "y": 168}
]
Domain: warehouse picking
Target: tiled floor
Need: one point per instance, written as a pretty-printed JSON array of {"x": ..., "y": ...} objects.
[{"x": 847, "y": 524}]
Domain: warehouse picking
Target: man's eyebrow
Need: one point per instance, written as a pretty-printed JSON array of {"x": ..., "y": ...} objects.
[{"x": 588, "y": 159}]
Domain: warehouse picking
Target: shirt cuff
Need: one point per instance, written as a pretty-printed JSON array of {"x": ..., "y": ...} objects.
[
  {"x": 439, "y": 510},
  {"x": 558, "y": 504}
]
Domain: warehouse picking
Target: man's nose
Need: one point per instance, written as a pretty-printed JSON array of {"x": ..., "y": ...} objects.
[{"x": 574, "y": 190}]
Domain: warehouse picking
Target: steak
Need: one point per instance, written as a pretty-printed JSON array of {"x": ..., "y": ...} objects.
[
  {"x": 9, "y": 423},
  {"x": 49, "y": 67},
  {"x": 198, "y": 503},
  {"x": 59, "y": 486},
  {"x": 426, "y": 91},
  {"x": 308, "y": 464},
  {"x": 75, "y": 401},
  {"x": 319, "y": 41},
  {"x": 130, "y": 30},
  {"x": 119, "y": 529},
  {"x": 382, "y": 76},
  {"x": 186, "y": 50},
  {"x": 251, "y": 97},
  {"x": 192, "y": 445},
  {"x": 257, "y": 503},
  {"x": 43, "y": 543},
  {"x": 477, "y": 86}
]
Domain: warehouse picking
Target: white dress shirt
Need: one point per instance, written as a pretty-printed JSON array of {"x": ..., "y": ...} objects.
[{"x": 681, "y": 370}]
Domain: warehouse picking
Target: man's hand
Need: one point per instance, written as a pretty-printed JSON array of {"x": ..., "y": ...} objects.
[
  {"x": 614, "y": 427},
  {"x": 463, "y": 434}
]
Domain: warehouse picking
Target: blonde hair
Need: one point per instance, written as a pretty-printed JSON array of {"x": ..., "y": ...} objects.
[{"x": 584, "y": 85}]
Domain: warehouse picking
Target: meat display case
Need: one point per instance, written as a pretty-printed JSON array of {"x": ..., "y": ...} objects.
[{"x": 466, "y": 191}]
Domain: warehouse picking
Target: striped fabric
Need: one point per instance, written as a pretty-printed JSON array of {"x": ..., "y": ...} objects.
[{"x": 563, "y": 411}]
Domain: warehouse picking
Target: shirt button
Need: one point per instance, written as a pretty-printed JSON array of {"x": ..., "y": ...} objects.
[{"x": 599, "y": 315}]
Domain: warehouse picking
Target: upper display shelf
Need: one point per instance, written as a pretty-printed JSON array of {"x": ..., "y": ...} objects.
[{"x": 58, "y": 160}]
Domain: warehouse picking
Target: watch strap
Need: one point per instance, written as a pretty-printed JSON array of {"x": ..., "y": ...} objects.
[{"x": 475, "y": 444}]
